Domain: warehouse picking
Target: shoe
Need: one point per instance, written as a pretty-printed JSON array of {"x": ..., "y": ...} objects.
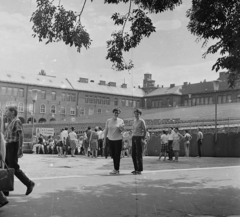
[
  {"x": 114, "y": 172},
  {"x": 3, "y": 204},
  {"x": 139, "y": 173},
  {"x": 6, "y": 193},
  {"x": 30, "y": 188},
  {"x": 134, "y": 172}
]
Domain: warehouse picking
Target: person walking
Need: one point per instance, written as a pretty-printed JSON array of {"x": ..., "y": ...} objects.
[
  {"x": 94, "y": 142},
  {"x": 14, "y": 142},
  {"x": 177, "y": 137},
  {"x": 64, "y": 137},
  {"x": 199, "y": 142},
  {"x": 113, "y": 130},
  {"x": 187, "y": 139},
  {"x": 164, "y": 147},
  {"x": 100, "y": 141},
  {"x": 170, "y": 143},
  {"x": 73, "y": 141},
  {"x": 138, "y": 136},
  {"x": 87, "y": 142}
]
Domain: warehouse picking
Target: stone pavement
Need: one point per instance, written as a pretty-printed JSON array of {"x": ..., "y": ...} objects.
[{"x": 82, "y": 186}]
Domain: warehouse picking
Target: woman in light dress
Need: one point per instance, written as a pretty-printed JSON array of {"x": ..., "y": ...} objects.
[
  {"x": 94, "y": 143},
  {"x": 73, "y": 141},
  {"x": 177, "y": 137}
]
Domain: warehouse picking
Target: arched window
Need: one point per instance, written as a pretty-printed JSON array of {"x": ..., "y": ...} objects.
[
  {"x": 52, "y": 119},
  {"x": 53, "y": 109},
  {"x": 42, "y": 108},
  {"x": 42, "y": 120},
  {"x": 72, "y": 111},
  {"x": 91, "y": 111},
  {"x": 99, "y": 111},
  {"x": 63, "y": 110},
  {"x": 21, "y": 107},
  {"x": 81, "y": 111}
]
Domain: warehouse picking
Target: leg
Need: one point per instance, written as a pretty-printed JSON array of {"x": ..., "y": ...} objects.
[
  {"x": 134, "y": 156},
  {"x": 3, "y": 199},
  {"x": 139, "y": 154}
]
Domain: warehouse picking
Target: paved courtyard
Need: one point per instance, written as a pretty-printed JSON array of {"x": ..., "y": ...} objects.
[{"x": 82, "y": 186}]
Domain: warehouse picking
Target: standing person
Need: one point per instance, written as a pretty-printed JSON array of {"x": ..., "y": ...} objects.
[
  {"x": 14, "y": 142},
  {"x": 177, "y": 137},
  {"x": 94, "y": 142},
  {"x": 138, "y": 136},
  {"x": 170, "y": 143},
  {"x": 87, "y": 141},
  {"x": 113, "y": 130},
  {"x": 59, "y": 144},
  {"x": 187, "y": 138},
  {"x": 199, "y": 142},
  {"x": 64, "y": 136},
  {"x": 164, "y": 147},
  {"x": 73, "y": 141},
  {"x": 100, "y": 141}
]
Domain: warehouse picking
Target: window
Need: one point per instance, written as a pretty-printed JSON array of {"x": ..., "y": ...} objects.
[
  {"x": 116, "y": 101},
  {"x": 108, "y": 101},
  {"x": 152, "y": 103},
  {"x": 81, "y": 111},
  {"x": 43, "y": 94},
  {"x": 63, "y": 96},
  {"x": 21, "y": 107},
  {"x": 91, "y": 99},
  {"x": 9, "y": 91},
  {"x": 21, "y": 92},
  {"x": 99, "y": 100},
  {"x": 95, "y": 100},
  {"x": 219, "y": 99},
  {"x": 123, "y": 102},
  {"x": 86, "y": 98},
  {"x": 63, "y": 110},
  {"x": 53, "y": 109},
  {"x": 210, "y": 101},
  {"x": 53, "y": 95},
  {"x": 99, "y": 111},
  {"x": 127, "y": 102},
  {"x": 134, "y": 104},
  {"x": 229, "y": 98},
  {"x": 91, "y": 111},
  {"x": 72, "y": 111},
  {"x": 206, "y": 100},
  {"x": 73, "y": 97},
  {"x": 15, "y": 91},
  {"x": 103, "y": 101},
  {"x": 42, "y": 108},
  {"x": 130, "y": 103},
  {"x": 137, "y": 104},
  {"x": 3, "y": 90},
  {"x": 68, "y": 97},
  {"x": 224, "y": 99}
]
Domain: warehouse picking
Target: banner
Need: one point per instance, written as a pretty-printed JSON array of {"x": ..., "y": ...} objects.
[{"x": 45, "y": 131}]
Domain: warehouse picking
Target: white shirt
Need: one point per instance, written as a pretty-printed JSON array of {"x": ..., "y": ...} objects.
[
  {"x": 170, "y": 135},
  {"x": 100, "y": 132},
  {"x": 73, "y": 136},
  {"x": 114, "y": 131},
  {"x": 164, "y": 139},
  {"x": 64, "y": 134}
]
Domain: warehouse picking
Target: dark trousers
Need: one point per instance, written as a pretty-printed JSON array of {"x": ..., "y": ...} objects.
[
  {"x": 12, "y": 162},
  {"x": 170, "y": 150},
  {"x": 137, "y": 153},
  {"x": 107, "y": 149},
  {"x": 100, "y": 147},
  {"x": 199, "y": 142},
  {"x": 116, "y": 147}
]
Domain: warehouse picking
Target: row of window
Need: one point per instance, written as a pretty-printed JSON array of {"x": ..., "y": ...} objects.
[
  {"x": 97, "y": 100},
  {"x": 158, "y": 103},
  {"x": 9, "y": 91}
]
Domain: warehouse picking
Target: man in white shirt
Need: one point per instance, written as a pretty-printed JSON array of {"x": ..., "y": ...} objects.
[
  {"x": 64, "y": 136},
  {"x": 199, "y": 142},
  {"x": 100, "y": 141}
]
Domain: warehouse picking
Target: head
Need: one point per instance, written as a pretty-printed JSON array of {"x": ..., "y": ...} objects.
[
  {"x": 176, "y": 129},
  {"x": 116, "y": 112},
  {"x": 199, "y": 129},
  {"x": 72, "y": 128},
  {"x": 89, "y": 128},
  {"x": 96, "y": 129},
  {"x": 66, "y": 128},
  {"x": 186, "y": 131},
  {"x": 137, "y": 113},
  {"x": 164, "y": 132},
  {"x": 11, "y": 112},
  {"x": 62, "y": 129},
  {"x": 100, "y": 128}
]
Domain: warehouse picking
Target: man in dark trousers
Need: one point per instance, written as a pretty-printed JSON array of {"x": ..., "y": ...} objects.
[{"x": 14, "y": 141}]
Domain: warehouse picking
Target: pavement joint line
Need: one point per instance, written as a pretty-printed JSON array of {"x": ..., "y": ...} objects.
[{"x": 126, "y": 171}]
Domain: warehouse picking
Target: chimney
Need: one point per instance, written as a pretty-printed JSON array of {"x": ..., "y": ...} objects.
[
  {"x": 92, "y": 81},
  {"x": 204, "y": 80},
  {"x": 112, "y": 84},
  {"x": 102, "y": 82},
  {"x": 83, "y": 80},
  {"x": 124, "y": 85},
  {"x": 172, "y": 85},
  {"x": 139, "y": 86},
  {"x": 185, "y": 83},
  {"x": 162, "y": 86}
]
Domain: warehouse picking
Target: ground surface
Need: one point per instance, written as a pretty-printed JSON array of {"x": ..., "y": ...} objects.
[{"x": 82, "y": 186}]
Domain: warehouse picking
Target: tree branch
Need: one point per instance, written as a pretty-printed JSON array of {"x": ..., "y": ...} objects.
[
  {"x": 82, "y": 8},
  {"x": 128, "y": 14}
]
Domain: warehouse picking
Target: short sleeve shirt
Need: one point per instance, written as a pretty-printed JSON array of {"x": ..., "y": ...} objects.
[
  {"x": 114, "y": 132},
  {"x": 139, "y": 127},
  {"x": 11, "y": 133}
]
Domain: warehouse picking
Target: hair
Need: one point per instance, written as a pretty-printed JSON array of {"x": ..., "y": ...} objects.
[
  {"x": 13, "y": 109},
  {"x": 164, "y": 132},
  {"x": 116, "y": 110},
  {"x": 176, "y": 128},
  {"x": 66, "y": 128},
  {"x": 100, "y": 128},
  {"x": 138, "y": 111},
  {"x": 89, "y": 128},
  {"x": 186, "y": 131},
  {"x": 171, "y": 128},
  {"x": 95, "y": 129},
  {"x": 72, "y": 128}
]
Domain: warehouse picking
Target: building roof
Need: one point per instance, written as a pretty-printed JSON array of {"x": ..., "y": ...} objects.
[
  {"x": 166, "y": 91},
  {"x": 68, "y": 83}
]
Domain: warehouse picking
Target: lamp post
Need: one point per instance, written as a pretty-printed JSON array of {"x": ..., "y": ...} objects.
[
  {"x": 216, "y": 87},
  {"x": 34, "y": 94}
]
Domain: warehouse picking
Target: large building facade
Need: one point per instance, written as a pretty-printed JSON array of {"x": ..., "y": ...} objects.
[{"x": 64, "y": 99}]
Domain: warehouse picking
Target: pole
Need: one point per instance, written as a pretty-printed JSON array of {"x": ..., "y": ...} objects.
[
  {"x": 33, "y": 120},
  {"x": 216, "y": 116}
]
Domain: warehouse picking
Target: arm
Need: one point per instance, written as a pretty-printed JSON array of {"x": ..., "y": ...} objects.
[
  {"x": 105, "y": 133},
  {"x": 144, "y": 129}
]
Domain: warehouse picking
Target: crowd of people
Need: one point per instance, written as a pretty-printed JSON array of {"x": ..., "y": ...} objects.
[{"x": 114, "y": 141}]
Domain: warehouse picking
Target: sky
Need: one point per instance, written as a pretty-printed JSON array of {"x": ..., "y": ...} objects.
[{"x": 171, "y": 54}]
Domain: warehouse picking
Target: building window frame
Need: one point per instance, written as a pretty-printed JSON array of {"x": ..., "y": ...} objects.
[
  {"x": 54, "y": 95},
  {"x": 90, "y": 111},
  {"x": 53, "y": 109},
  {"x": 99, "y": 111},
  {"x": 72, "y": 111},
  {"x": 81, "y": 111},
  {"x": 63, "y": 110},
  {"x": 43, "y": 94},
  {"x": 42, "y": 109},
  {"x": 21, "y": 92},
  {"x": 21, "y": 107}
]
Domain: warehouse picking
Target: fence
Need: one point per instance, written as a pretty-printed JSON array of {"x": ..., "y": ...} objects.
[{"x": 227, "y": 145}]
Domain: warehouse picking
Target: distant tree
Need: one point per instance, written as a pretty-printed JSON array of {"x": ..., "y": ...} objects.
[
  {"x": 42, "y": 72},
  {"x": 219, "y": 20},
  {"x": 55, "y": 23}
]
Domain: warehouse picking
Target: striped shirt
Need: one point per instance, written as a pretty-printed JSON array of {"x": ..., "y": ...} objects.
[{"x": 11, "y": 133}]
